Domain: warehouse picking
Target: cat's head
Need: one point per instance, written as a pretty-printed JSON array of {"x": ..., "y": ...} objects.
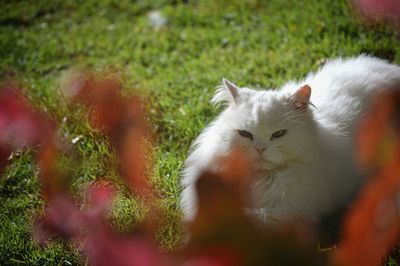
[{"x": 273, "y": 128}]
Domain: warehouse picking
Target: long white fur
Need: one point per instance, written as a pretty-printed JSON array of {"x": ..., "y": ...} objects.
[{"x": 310, "y": 170}]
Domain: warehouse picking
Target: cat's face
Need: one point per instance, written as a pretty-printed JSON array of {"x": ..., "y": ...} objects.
[{"x": 272, "y": 129}]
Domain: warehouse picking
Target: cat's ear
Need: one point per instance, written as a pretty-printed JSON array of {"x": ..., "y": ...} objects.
[
  {"x": 228, "y": 93},
  {"x": 233, "y": 89},
  {"x": 301, "y": 98}
]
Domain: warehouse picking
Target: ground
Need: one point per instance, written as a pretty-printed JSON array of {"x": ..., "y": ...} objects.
[{"x": 176, "y": 66}]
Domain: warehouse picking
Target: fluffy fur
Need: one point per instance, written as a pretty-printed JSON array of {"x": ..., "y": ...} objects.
[{"x": 310, "y": 170}]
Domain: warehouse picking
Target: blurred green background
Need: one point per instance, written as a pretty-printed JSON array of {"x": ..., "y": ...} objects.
[{"x": 173, "y": 52}]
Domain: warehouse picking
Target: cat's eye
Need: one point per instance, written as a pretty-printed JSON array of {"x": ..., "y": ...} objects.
[
  {"x": 278, "y": 134},
  {"x": 245, "y": 134}
]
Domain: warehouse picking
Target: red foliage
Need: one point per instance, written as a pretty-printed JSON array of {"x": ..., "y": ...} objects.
[
  {"x": 221, "y": 233},
  {"x": 89, "y": 230},
  {"x": 20, "y": 124},
  {"x": 48, "y": 174},
  {"x": 373, "y": 226},
  {"x": 221, "y": 196},
  {"x": 122, "y": 119},
  {"x": 107, "y": 248},
  {"x": 378, "y": 11}
]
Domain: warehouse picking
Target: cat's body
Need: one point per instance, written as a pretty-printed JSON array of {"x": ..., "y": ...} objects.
[{"x": 301, "y": 155}]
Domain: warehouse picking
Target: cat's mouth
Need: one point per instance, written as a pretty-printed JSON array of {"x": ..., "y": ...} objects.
[
  {"x": 261, "y": 164},
  {"x": 266, "y": 167}
]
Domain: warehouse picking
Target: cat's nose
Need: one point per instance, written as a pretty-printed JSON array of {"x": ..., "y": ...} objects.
[{"x": 260, "y": 150}]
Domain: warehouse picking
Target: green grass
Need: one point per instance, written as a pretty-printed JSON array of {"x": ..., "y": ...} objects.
[{"x": 254, "y": 43}]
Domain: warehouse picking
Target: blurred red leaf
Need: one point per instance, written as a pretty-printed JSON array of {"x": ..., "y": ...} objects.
[
  {"x": 214, "y": 256},
  {"x": 89, "y": 230},
  {"x": 20, "y": 124},
  {"x": 5, "y": 152},
  {"x": 221, "y": 233},
  {"x": 100, "y": 94},
  {"x": 61, "y": 218},
  {"x": 100, "y": 195},
  {"x": 372, "y": 227},
  {"x": 106, "y": 248},
  {"x": 122, "y": 119},
  {"x": 378, "y": 11}
]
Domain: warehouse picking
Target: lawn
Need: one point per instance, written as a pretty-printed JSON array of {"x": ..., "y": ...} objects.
[{"x": 175, "y": 66}]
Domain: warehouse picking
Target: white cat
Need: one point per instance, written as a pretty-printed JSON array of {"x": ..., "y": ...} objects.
[{"x": 299, "y": 139}]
